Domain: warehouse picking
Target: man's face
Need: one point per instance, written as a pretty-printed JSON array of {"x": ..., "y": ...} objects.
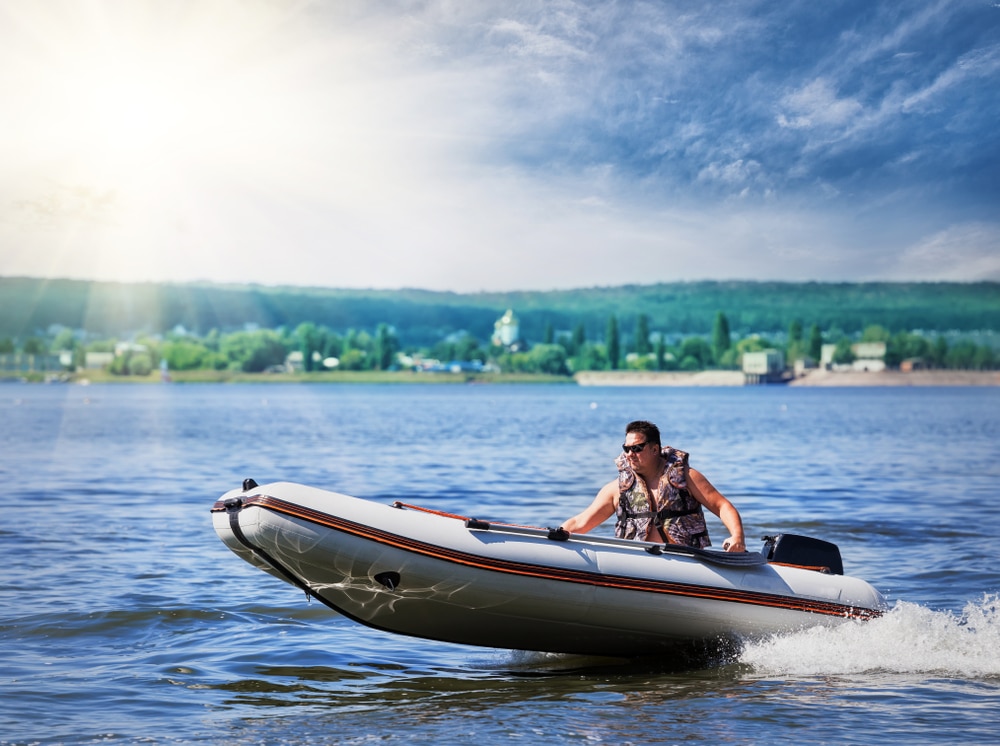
[{"x": 645, "y": 456}]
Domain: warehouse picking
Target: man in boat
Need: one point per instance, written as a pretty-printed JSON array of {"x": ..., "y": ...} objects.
[{"x": 658, "y": 497}]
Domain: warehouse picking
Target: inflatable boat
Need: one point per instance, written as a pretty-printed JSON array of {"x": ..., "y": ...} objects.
[{"x": 424, "y": 573}]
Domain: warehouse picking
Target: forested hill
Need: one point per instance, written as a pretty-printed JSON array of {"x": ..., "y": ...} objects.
[{"x": 29, "y": 306}]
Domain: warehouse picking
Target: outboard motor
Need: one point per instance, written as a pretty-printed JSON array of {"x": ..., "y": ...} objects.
[{"x": 803, "y": 551}]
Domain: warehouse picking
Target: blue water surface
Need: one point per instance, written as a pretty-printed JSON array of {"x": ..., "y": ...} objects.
[{"x": 124, "y": 619}]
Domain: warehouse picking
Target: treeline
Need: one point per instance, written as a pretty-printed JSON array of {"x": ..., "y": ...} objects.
[
  {"x": 311, "y": 347},
  {"x": 32, "y": 307}
]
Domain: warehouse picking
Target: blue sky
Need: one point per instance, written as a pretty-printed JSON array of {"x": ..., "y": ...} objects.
[{"x": 497, "y": 145}]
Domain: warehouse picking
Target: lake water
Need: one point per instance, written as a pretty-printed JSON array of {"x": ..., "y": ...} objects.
[{"x": 124, "y": 619}]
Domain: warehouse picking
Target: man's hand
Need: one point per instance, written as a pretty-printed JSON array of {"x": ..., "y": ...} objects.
[{"x": 733, "y": 544}]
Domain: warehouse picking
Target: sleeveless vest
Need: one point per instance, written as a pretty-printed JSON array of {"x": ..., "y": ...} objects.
[{"x": 675, "y": 512}]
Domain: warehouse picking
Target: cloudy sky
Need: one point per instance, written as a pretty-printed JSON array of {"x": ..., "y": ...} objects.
[{"x": 471, "y": 146}]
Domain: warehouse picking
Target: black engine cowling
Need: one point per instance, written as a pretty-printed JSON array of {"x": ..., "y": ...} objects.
[{"x": 792, "y": 549}]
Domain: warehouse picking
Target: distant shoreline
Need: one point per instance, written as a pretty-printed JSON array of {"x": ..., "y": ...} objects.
[
  {"x": 375, "y": 377},
  {"x": 701, "y": 379},
  {"x": 899, "y": 378},
  {"x": 817, "y": 378}
]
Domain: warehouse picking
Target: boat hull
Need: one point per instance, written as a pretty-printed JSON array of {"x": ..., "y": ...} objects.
[{"x": 430, "y": 575}]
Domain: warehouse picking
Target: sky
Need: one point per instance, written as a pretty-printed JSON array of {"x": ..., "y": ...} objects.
[{"x": 497, "y": 146}]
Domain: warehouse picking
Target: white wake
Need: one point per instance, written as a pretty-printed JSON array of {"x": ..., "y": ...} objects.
[{"x": 908, "y": 639}]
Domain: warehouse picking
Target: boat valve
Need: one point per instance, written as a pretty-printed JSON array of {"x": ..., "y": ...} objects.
[{"x": 389, "y": 579}]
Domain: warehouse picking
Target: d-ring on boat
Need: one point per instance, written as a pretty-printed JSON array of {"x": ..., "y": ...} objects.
[{"x": 445, "y": 577}]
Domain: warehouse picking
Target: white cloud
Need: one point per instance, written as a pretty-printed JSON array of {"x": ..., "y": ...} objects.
[
  {"x": 957, "y": 253},
  {"x": 978, "y": 63},
  {"x": 736, "y": 173},
  {"x": 816, "y": 105},
  {"x": 861, "y": 47},
  {"x": 62, "y": 205},
  {"x": 530, "y": 42}
]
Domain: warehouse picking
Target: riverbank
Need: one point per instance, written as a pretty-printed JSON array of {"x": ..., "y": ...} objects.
[
  {"x": 659, "y": 378},
  {"x": 812, "y": 378},
  {"x": 899, "y": 378},
  {"x": 707, "y": 378},
  {"x": 228, "y": 376}
]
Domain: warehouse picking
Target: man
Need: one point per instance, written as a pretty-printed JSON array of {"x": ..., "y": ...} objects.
[{"x": 658, "y": 497}]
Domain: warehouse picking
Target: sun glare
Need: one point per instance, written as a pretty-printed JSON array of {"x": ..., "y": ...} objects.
[
  {"x": 151, "y": 106},
  {"x": 116, "y": 106},
  {"x": 116, "y": 88},
  {"x": 131, "y": 115},
  {"x": 116, "y": 120}
]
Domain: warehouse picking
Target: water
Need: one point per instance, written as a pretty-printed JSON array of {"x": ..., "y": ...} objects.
[{"x": 124, "y": 619}]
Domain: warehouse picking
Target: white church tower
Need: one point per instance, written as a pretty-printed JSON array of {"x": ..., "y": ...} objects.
[{"x": 506, "y": 330}]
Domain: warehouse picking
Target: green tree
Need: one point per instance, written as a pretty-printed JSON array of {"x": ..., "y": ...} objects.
[
  {"x": 815, "y": 346},
  {"x": 469, "y": 348},
  {"x": 6, "y": 346},
  {"x": 590, "y": 357},
  {"x": 102, "y": 345},
  {"x": 132, "y": 362},
  {"x": 308, "y": 339},
  {"x": 386, "y": 347},
  {"x": 213, "y": 340},
  {"x": 696, "y": 354},
  {"x": 64, "y": 341},
  {"x": 613, "y": 343},
  {"x": 843, "y": 355},
  {"x": 730, "y": 359},
  {"x": 984, "y": 359},
  {"x": 565, "y": 340},
  {"x": 462, "y": 346},
  {"x": 796, "y": 345},
  {"x": 140, "y": 364},
  {"x": 645, "y": 362},
  {"x": 795, "y": 331},
  {"x": 642, "y": 335},
  {"x": 353, "y": 359},
  {"x": 939, "y": 352},
  {"x": 961, "y": 355},
  {"x": 661, "y": 352},
  {"x": 360, "y": 342},
  {"x": 721, "y": 338},
  {"x": 579, "y": 338},
  {"x": 33, "y": 346},
  {"x": 550, "y": 334},
  {"x": 119, "y": 365},
  {"x": 549, "y": 359},
  {"x": 875, "y": 333},
  {"x": 190, "y": 354},
  {"x": 333, "y": 344},
  {"x": 254, "y": 352},
  {"x": 349, "y": 341},
  {"x": 904, "y": 346}
]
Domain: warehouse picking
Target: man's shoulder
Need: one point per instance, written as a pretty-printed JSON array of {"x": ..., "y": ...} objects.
[{"x": 674, "y": 455}]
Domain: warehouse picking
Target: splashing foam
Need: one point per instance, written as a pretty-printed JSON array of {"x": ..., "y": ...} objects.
[{"x": 908, "y": 639}]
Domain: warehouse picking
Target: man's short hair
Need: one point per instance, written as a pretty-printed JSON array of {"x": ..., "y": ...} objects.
[{"x": 651, "y": 431}]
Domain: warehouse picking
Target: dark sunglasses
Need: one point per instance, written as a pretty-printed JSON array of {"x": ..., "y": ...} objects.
[{"x": 637, "y": 448}]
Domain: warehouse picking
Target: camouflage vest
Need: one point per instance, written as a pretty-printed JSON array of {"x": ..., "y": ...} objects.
[{"x": 676, "y": 514}]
